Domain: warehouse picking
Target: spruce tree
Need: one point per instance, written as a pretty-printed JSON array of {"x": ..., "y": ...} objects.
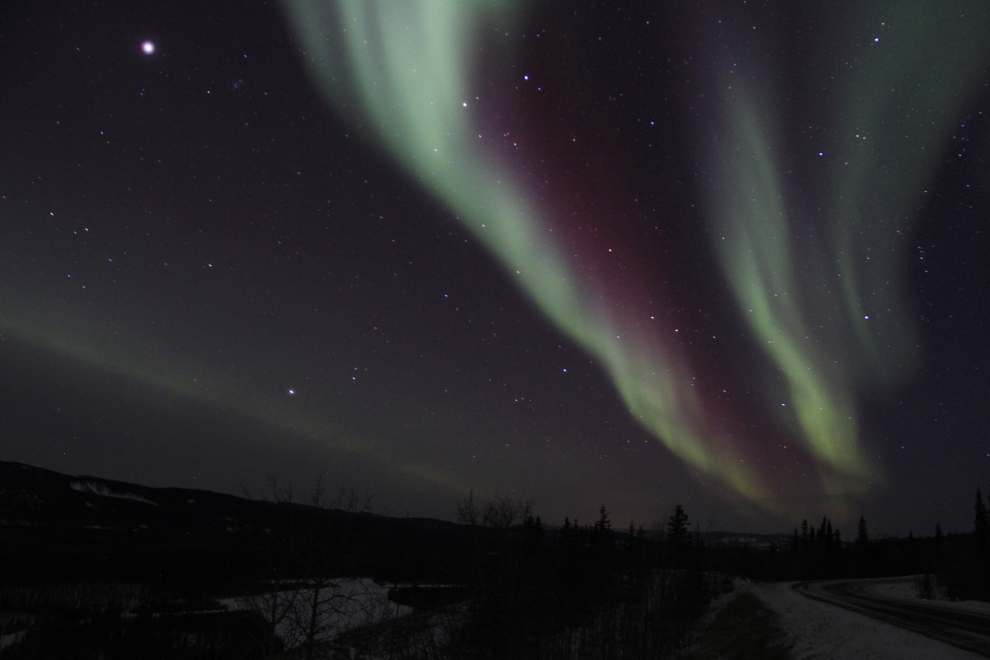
[
  {"x": 677, "y": 527},
  {"x": 983, "y": 545},
  {"x": 678, "y": 536},
  {"x": 863, "y": 548},
  {"x": 938, "y": 547},
  {"x": 982, "y": 521},
  {"x": 862, "y": 535}
]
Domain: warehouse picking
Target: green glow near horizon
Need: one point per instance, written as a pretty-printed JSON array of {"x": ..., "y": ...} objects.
[
  {"x": 130, "y": 356},
  {"x": 403, "y": 72}
]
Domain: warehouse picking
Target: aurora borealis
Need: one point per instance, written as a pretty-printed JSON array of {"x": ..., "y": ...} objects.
[
  {"x": 836, "y": 326},
  {"x": 408, "y": 62},
  {"x": 709, "y": 254}
]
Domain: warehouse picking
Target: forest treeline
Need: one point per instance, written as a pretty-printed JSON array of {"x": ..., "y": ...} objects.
[
  {"x": 951, "y": 565},
  {"x": 499, "y": 584},
  {"x": 535, "y": 589},
  {"x": 580, "y": 590}
]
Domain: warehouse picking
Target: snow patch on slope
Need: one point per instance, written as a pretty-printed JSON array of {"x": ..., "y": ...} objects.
[{"x": 95, "y": 488}]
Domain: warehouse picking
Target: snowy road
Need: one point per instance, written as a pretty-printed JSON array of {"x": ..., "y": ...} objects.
[
  {"x": 819, "y": 630},
  {"x": 964, "y": 628}
]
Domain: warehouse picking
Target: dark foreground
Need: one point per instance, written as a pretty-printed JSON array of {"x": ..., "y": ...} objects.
[{"x": 94, "y": 568}]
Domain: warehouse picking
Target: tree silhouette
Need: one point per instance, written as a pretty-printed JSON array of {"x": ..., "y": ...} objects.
[
  {"x": 677, "y": 527},
  {"x": 862, "y": 535},
  {"x": 982, "y": 521}
]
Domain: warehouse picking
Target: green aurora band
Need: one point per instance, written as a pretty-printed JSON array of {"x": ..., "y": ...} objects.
[
  {"x": 825, "y": 310},
  {"x": 824, "y": 298},
  {"x": 406, "y": 66}
]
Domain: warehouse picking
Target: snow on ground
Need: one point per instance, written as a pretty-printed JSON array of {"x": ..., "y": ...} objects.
[
  {"x": 344, "y": 604},
  {"x": 12, "y": 638},
  {"x": 820, "y": 631}
]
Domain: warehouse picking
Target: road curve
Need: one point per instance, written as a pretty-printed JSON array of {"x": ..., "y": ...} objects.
[{"x": 969, "y": 630}]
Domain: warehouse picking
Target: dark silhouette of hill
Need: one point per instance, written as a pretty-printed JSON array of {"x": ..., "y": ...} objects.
[{"x": 57, "y": 527}]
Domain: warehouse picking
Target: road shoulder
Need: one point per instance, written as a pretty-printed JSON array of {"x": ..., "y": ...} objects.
[
  {"x": 819, "y": 631},
  {"x": 740, "y": 627}
]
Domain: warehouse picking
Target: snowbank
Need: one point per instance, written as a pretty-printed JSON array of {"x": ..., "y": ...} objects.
[
  {"x": 343, "y": 605},
  {"x": 820, "y": 631},
  {"x": 907, "y": 590}
]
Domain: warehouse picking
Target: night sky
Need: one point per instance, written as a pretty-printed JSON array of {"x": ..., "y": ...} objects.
[{"x": 732, "y": 255}]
